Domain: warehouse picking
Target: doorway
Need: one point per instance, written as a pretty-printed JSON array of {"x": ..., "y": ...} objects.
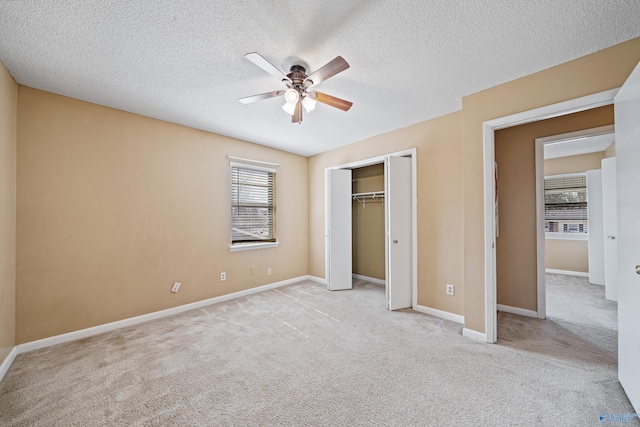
[
  {"x": 530, "y": 170},
  {"x": 542, "y": 249},
  {"x": 400, "y": 234},
  {"x": 566, "y": 244},
  {"x": 368, "y": 230},
  {"x": 490, "y": 219}
]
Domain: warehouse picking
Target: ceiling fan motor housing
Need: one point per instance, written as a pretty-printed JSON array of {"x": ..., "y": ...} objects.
[{"x": 298, "y": 74}]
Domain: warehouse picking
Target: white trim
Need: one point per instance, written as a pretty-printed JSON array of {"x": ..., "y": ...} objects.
[
  {"x": 579, "y": 134},
  {"x": 478, "y": 336},
  {"x": 567, "y": 272},
  {"x": 414, "y": 224},
  {"x": 564, "y": 236},
  {"x": 489, "y": 127},
  {"x": 251, "y": 246},
  {"x": 439, "y": 313},
  {"x": 518, "y": 311},
  {"x": 108, "y": 327},
  {"x": 369, "y": 279},
  {"x": 255, "y": 164},
  {"x": 374, "y": 160},
  {"x": 317, "y": 279},
  {"x": 575, "y": 105},
  {"x": 6, "y": 363},
  {"x": 490, "y": 299},
  {"x": 541, "y": 285}
]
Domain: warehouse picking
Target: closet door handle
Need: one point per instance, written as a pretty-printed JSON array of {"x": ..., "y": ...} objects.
[{"x": 395, "y": 241}]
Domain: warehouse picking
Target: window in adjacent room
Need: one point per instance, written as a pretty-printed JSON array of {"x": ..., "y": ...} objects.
[
  {"x": 253, "y": 204},
  {"x": 565, "y": 205}
]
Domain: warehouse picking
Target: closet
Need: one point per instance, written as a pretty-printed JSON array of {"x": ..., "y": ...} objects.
[{"x": 368, "y": 223}]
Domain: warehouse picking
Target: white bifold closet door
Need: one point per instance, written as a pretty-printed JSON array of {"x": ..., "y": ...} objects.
[
  {"x": 399, "y": 242},
  {"x": 338, "y": 233}
]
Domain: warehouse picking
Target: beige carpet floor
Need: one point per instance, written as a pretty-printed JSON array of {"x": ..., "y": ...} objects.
[{"x": 302, "y": 356}]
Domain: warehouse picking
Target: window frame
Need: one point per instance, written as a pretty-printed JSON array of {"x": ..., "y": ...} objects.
[
  {"x": 556, "y": 235},
  {"x": 260, "y": 166}
]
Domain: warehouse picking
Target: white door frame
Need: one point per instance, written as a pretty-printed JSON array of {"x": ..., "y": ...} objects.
[
  {"x": 489, "y": 127},
  {"x": 414, "y": 212}
]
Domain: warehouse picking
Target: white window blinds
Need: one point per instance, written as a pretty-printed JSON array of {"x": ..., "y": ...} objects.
[
  {"x": 565, "y": 204},
  {"x": 253, "y": 206}
]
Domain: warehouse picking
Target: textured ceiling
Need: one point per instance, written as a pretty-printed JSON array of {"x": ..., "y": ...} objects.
[{"x": 182, "y": 61}]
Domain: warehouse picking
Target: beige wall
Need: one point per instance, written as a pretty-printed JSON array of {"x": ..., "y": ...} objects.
[
  {"x": 610, "y": 151},
  {"x": 440, "y": 203},
  {"x": 573, "y": 164},
  {"x": 8, "y": 121},
  {"x": 516, "y": 250},
  {"x": 368, "y": 223},
  {"x": 568, "y": 255},
  {"x": 114, "y": 207},
  {"x": 603, "y": 70}
]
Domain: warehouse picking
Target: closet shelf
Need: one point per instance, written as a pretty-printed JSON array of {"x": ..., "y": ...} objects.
[{"x": 368, "y": 195}]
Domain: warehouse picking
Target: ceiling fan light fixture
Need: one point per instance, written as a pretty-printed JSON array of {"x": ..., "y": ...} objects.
[
  {"x": 289, "y": 108},
  {"x": 309, "y": 104},
  {"x": 291, "y": 96}
]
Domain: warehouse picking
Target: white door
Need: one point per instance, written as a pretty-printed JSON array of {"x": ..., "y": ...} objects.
[
  {"x": 399, "y": 244},
  {"x": 338, "y": 184},
  {"x": 596, "y": 227},
  {"x": 627, "y": 118},
  {"x": 610, "y": 219}
]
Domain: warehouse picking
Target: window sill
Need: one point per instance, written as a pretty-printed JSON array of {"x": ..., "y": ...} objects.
[
  {"x": 252, "y": 246},
  {"x": 566, "y": 236}
]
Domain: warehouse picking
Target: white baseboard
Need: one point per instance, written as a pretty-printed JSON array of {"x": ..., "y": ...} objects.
[
  {"x": 6, "y": 363},
  {"x": 107, "y": 327},
  {"x": 439, "y": 313},
  {"x": 478, "y": 336},
  {"x": 567, "y": 272},
  {"x": 516, "y": 310},
  {"x": 369, "y": 279},
  {"x": 316, "y": 279}
]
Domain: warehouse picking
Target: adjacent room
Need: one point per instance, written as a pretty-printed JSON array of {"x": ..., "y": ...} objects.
[{"x": 343, "y": 213}]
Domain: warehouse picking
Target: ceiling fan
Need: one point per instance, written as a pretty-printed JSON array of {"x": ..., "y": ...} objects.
[{"x": 298, "y": 93}]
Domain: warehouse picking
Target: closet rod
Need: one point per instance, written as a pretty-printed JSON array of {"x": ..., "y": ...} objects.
[
  {"x": 362, "y": 197},
  {"x": 368, "y": 195}
]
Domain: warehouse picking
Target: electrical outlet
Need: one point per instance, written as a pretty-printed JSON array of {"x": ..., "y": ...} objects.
[
  {"x": 252, "y": 271},
  {"x": 269, "y": 271},
  {"x": 176, "y": 287},
  {"x": 223, "y": 276},
  {"x": 449, "y": 289}
]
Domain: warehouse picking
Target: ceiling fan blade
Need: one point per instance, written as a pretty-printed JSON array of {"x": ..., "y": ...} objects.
[
  {"x": 259, "y": 60},
  {"x": 331, "y": 100},
  {"x": 297, "y": 115},
  {"x": 260, "y": 97},
  {"x": 333, "y": 67}
]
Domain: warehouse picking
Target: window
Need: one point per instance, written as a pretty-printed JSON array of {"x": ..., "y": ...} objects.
[
  {"x": 253, "y": 204},
  {"x": 565, "y": 204}
]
